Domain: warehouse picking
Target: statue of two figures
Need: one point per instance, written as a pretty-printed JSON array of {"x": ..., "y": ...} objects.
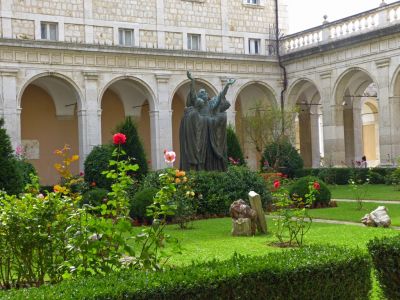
[{"x": 202, "y": 132}]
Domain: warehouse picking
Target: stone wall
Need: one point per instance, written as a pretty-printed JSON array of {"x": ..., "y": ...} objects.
[
  {"x": 236, "y": 45},
  {"x": 148, "y": 39},
  {"x": 213, "y": 43},
  {"x": 195, "y": 14},
  {"x": 250, "y": 18},
  {"x": 74, "y": 33},
  {"x": 174, "y": 40},
  {"x": 136, "y": 11},
  {"x": 103, "y": 35},
  {"x": 23, "y": 29},
  {"x": 70, "y": 8}
]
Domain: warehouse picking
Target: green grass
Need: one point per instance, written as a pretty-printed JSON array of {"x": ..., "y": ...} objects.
[
  {"x": 346, "y": 211},
  {"x": 212, "y": 238},
  {"x": 373, "y": 192}
]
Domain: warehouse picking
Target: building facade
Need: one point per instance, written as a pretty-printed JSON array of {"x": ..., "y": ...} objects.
[{"x": 72, "y": 70}]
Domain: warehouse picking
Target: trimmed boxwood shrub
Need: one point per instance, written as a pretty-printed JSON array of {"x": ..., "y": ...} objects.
[
  {"x": 341, "y": 176},
  {"x": 139, "y": 202},
  {"x": 385, "y": 254},
  {"x": 307, "y": 273},
  {"x": 282, "y": 157},
  {"x": 300, "y": 189},
  {"x": 96, "y": 162}
]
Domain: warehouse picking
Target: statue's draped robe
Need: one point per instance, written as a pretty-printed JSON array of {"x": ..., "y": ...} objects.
[{"x": 202, "y": 134}]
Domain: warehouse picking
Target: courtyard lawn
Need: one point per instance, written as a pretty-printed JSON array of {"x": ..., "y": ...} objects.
[
  {"x": 374, "y": 192},
  {"x": 346, "y": 211},
  {"x": 209, "y": 239}
]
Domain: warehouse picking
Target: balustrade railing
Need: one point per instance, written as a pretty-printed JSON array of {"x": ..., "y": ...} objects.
[{"x": 383, "y": 16}]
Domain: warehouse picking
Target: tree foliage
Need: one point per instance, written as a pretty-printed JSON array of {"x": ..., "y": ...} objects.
[{"x": 235, "y": 153}]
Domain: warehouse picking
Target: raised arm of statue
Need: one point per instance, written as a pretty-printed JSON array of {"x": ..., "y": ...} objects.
[
  {"x": 191, "y": 98},
  {"x": 222, "y": 94}
]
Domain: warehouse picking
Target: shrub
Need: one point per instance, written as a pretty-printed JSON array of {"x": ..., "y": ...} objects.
[
  {"x": 97, "y": 162},
  {"x": 25, "y": 168},
  {"x": 94, "y": 196},
  {"x": 215, "y": 191},
  {"x": 133, "y": 146},
  {"x": 235, "y": 152},
  {"x": 140, "y": 201},
  {"x": 11, "y": 179},
  {"x": 342, "y": 273},
  {"x": 385, "y": 254},
  {"x": 300, "y": 189},
  {"x": 220, "y": 189},
  {"x": 282, "y": 157}
]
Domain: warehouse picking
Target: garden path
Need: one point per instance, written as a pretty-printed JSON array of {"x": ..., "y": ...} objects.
[{"x": 372, "y": 201}]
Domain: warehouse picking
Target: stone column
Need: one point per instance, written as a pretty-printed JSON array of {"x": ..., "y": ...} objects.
[
  {"x": 89, "y": 117},
  {"x": 388, "y": 121},
  {"x": 358, "y": 130},
  {"x": 314, "y": 127},
  {"x": 11, "y": 108},
  {"x": 349, "y": 141},
  {"x": 394, "y": 107},
  {"x": 305, "y": 138},
  {"x": 333, "y": 123},
  {"x": 161, "y": 123}
]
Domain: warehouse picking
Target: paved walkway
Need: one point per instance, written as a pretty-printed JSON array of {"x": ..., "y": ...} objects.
[
  {"x": 346, "y": 223},
  {"x": 371, "y": 201}
]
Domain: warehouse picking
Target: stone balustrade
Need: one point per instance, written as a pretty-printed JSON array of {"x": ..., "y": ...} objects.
[{"x": 383, "y": 16}]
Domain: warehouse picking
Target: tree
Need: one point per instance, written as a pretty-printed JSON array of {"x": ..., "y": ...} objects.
[
  {"x": 263, "y": 125},
  {"x": 235, "y": 153},
  {"x": 133, "y": 146},
  {"x": 11, "y": 179}
]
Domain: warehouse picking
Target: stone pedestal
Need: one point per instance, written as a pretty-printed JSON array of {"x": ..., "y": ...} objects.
[{"x": 255, "y": 203}]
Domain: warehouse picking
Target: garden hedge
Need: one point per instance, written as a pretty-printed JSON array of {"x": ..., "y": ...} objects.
[
  {"x": 342, "y": 176},
  {"x": 307, "y": 273},
  {"x": 301, "y": 187},
  {"x": 385, "y": 254}
]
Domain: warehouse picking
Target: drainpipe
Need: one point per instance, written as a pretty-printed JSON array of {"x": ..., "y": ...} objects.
[{"x": 277, "y": 43}]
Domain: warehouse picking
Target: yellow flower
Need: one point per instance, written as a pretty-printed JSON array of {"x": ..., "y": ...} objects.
[{"x": 74, "y": 157}]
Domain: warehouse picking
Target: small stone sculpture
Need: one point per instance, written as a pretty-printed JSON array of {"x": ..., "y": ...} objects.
[
  {"x": 244, "y": 218},
  {"x": 378, "y": 217}
]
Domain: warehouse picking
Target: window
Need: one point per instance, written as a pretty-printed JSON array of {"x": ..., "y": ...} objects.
[
  {"x": 125, "y": 37},
  {"x": 254, "y": 46},
  {"x": 49, "y": 31},
  {"x": 193, "y": 42},
  {"x": 251, "y": 1}
]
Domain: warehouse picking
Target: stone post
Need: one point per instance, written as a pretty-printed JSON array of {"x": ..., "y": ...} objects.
[
  {"x": 255, "y": 203},
  {"x": 11, "y": 109}
]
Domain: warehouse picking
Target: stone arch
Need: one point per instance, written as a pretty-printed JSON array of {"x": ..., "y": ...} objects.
[
  {"x": 350, "y": 88},
  {"x": 127, "y": 96},
  {"x": 50, "y": 103},
  {"x": 304, "y": 94},
  {"x": 177, "y": 103},
  {"x": 247, "y": 100},
  {"x": 152, "y": 95}
]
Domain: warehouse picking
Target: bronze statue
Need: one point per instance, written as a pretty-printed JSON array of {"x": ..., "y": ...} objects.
[{"x": 202, "y": 132}]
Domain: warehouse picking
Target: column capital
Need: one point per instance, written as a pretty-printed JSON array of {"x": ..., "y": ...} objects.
[
  {"x": 162, "y": 78},
  {"x": 90, "y": 75},
  {"x": 326, "y": 74},
  {"x": 9, "y": 72},
  {"x": 382, "y": 63}
]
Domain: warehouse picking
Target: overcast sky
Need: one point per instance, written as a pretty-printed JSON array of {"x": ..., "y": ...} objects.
[{"x": 305, "y": 14}]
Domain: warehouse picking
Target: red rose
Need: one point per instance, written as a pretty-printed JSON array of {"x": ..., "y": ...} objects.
[
  {"x": 277, "y": 184},
  {"x": 119, "y": 138},
  {"x": 316, "y": 186}
]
